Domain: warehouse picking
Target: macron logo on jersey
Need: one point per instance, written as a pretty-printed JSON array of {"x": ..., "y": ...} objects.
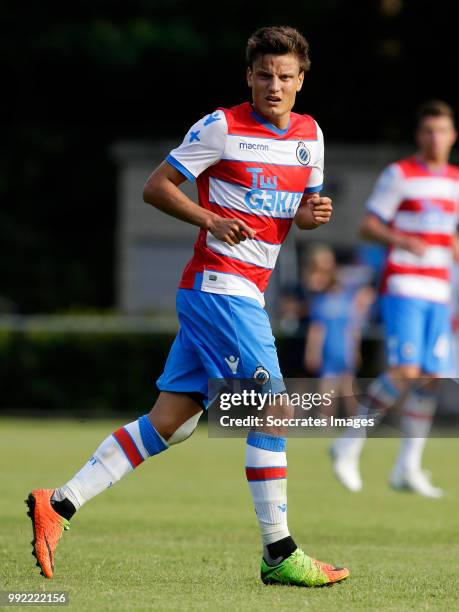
[{"x": 253, "y": 146}]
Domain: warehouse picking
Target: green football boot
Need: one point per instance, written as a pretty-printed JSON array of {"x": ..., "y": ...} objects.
[{"x": 300, "y": 570}]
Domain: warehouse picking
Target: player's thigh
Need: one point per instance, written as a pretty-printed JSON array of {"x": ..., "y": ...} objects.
[
  {"x": 330, "y": 384},
  {"x": 349, "y": 391},
  {"x": 404, "y": 323},
  {"x": 437, "y": 357},
  {"x": 401, "y": 373}
]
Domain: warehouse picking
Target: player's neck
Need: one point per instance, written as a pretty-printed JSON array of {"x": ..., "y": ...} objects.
[
  {"x": 281, "y": 122},
  {"x": 435, "y": 164}
]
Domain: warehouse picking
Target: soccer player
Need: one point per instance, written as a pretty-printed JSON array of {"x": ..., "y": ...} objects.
[
  {"x": 258, "y": 167},
  {"x": 414, "y": 211}
]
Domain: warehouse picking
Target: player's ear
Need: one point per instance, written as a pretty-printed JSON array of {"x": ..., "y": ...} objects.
[
  {"x": 300, "y": 80},
  {"x": 249, "y": 76}
]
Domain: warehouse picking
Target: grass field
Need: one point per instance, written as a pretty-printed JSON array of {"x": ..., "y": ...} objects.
[{"x": 181, "y": 534}]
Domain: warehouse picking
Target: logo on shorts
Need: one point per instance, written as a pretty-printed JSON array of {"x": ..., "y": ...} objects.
[
  {"x": 408, "y": 350},
  {"x": 303, "y": 154},
  {"x": 232, "y": 363},
  {"x": 441, "y": 347},
  {"x": 261, "y": 375}
]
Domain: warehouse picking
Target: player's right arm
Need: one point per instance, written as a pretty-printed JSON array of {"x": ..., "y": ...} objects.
[
  {"x": 202, "y": 147},
  {"x": 374, "y": 229},
  {"x": 312, "y": 359},
  {"x": 315, "y": 336},
  {"x": 162, "y": 191},
  {"x": 380, "y": 210}
]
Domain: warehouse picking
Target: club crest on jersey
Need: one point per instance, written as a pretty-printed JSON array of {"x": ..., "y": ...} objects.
[
  {"x": 261, "y": 375},
  {"x": 303, "y": 154}
]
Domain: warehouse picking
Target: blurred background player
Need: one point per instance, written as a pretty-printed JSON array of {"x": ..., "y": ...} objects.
[
  {"x": 255, "y": 176},
  {"x": 454, "y": 303},
  {"x": 337, "y": 314},
  {"x": 414, "y": 211}
]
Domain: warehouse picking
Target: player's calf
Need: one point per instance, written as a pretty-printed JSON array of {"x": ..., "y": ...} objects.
[
  {"x": 118, "y": 455},
  {"x": 283, "y": 562}
]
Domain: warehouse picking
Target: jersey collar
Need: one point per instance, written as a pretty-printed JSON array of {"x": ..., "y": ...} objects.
[
  {"x": 441, "y": 172},
  {"x": 268, "y": 125}
]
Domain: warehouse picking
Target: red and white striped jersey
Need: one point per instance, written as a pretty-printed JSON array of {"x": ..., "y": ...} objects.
[
  {"x": 247, "y": 168},
  {"x": 418, "y": 202}
]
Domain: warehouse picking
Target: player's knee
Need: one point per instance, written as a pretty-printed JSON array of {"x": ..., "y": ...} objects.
[
  {"x": 405, "y": 373},
  {"x": 428, "y": 383},
  {"x": 282, "y": 410},
  {"x": 185, "y": 430},
  {"x": 175, "y": 416}
]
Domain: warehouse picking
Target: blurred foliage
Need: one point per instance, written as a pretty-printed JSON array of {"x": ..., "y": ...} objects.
[
  {"x": 85, "y": 375},
  {"x": 79, "y": 77}
]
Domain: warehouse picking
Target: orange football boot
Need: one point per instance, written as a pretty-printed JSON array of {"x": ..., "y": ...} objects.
[
  {"x": 48, "y": 526},
  {"x": 334, "y": 574}
]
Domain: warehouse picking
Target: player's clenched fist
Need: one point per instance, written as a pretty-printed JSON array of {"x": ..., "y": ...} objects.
[
  {"x": 413, "y": 244},
  {"x": 231, "y": 231},
  {"x": 321, "y": 208}
]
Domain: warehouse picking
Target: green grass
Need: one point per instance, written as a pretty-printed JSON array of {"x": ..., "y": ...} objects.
[{"x": 181, "y": 534}]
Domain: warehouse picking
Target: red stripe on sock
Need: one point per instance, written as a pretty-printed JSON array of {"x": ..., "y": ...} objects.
[
  {"x": 265, "y": 473},
  {"x": 417, "y": 415},
  {"x": 379, "y": 404},
  {"x": 126, "y": 443}
]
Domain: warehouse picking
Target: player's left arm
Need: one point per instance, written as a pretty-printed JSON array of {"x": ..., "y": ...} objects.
[
  {"x": 456, "y": 247},
  {"x": 314, "y": 211}
]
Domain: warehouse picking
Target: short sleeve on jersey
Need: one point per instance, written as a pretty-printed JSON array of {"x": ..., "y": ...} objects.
[
  {"x": 387, "y": 194},
  {"x": 316, "y": 178},
  {"x": 202, "y": 146}
]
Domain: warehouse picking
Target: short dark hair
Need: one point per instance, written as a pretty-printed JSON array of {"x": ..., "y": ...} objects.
[
  {"x": 278, "y": 40},
  {"x": 433, "y": 108}
]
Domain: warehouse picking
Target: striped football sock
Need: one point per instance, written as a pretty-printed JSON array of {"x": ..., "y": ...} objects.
[
  {"x": 379, "y": 398},
  {"x": 416, "y": 421},
  {"x": 118, "y": 455},
  {"x": 382, "y": 394},
  {"x": 266, "y": 470}
]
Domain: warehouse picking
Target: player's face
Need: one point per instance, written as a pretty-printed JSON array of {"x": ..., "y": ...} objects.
[
  {"x": 275, "y": 81},
  {"x": 435, "y": 138}
]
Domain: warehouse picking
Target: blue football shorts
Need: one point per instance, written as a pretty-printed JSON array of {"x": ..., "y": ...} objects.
[
  {"x": 418, "y": 332},
  {"x": 220, "y": 337},
  {"x": 338, "y": 353}
]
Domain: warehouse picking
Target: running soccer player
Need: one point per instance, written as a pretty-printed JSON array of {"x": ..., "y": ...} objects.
[
  {"x": 258, "y": 167},
  {"x": 414, "y": 211}
]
